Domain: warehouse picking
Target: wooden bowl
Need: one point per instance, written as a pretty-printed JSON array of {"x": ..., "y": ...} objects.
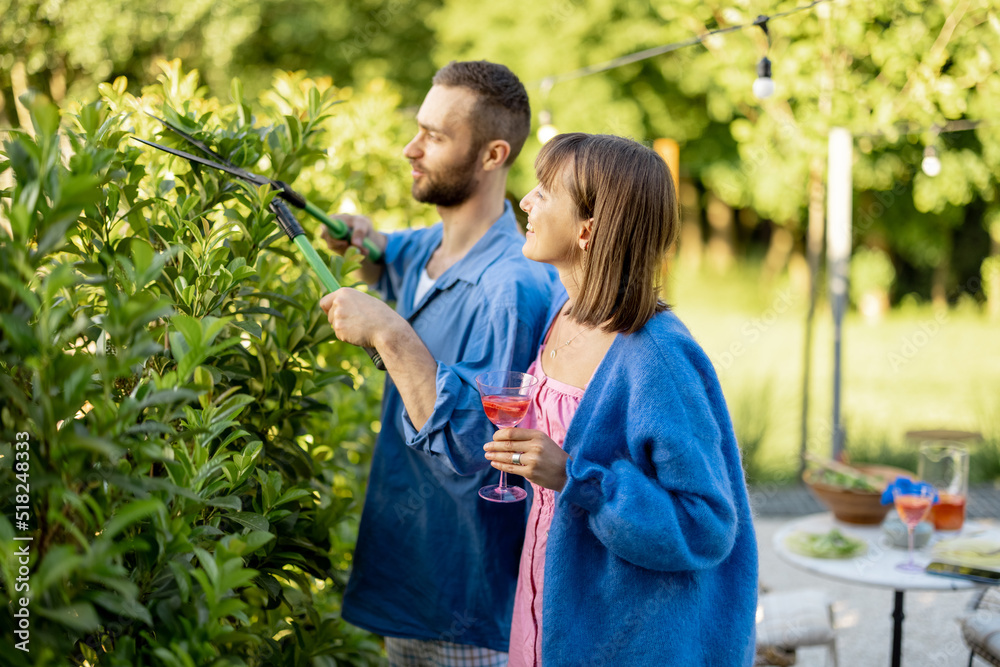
[{"x": 859, "y": 507}]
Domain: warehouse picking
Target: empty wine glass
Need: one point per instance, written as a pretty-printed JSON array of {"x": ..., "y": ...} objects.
[
  {"x": 506, "y": 396},
  {"x": 912, "y": 504}
]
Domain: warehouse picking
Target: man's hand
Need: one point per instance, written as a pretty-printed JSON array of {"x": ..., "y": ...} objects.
[
  {"x": 361, "y": 228},
  {"x": 358, "y": 318},
  {"x": 363, "y": 320}
]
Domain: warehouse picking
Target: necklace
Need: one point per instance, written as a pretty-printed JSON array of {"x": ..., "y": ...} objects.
[{"x": 552, "y": 353}]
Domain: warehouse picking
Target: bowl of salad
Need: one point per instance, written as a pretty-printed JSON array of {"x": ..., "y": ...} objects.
[{"x": 852, "y": 493}]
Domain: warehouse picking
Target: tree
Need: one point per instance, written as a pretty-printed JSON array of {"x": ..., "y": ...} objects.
[{"x": 888, "y": 71}]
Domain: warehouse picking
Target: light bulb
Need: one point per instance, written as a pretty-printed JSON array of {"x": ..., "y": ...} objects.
[
  {"x": 763, "y": 85},
  {"x": 931, "y": 163},
  {"x": 546, "y": 133},
  {"x": 546, "y": 130}
]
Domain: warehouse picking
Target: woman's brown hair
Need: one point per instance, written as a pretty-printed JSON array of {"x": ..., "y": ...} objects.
[{"x": 628, "y": 190}]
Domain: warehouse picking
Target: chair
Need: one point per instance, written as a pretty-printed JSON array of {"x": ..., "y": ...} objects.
[
  {"x": 789, "y": 620},
  {"x": 981, "y": 627}
]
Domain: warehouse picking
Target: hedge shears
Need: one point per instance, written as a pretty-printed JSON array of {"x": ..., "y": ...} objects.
[{"x": 286, "y": 220}]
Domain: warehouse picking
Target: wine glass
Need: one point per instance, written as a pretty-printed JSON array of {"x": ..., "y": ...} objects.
[
  {"x": 912, "y": 504},
  {"x": 506, "y": 396}
]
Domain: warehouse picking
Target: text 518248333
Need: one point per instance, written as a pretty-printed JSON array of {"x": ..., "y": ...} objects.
[{"x": 22, "y": 555}]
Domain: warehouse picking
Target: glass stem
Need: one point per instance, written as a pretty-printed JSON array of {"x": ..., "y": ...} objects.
[
  {"x": 503, "y": 481},
  {"x": 909, "y": 537}
]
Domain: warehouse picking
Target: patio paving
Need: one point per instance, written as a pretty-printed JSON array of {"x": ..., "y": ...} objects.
[{"x": 931, "y": 636}]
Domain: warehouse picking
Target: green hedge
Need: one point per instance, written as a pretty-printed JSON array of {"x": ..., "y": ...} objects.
[{"x": 198, "y": 440}]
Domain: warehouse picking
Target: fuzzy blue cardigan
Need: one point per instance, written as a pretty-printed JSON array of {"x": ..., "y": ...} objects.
[{"x": 652, "y": 558}]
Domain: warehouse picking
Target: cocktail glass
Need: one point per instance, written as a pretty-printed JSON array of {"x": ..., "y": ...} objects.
[
  {"x": 912, "y": 504},
  {"x": 506, "y": 396}
]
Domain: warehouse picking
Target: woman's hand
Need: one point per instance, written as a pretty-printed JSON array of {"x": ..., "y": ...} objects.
[{"x": 542, "y": 461}]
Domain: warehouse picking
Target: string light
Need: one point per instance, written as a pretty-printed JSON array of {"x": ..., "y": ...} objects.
[
  {"x": 931, "y": 164},
  {"x": 546, "y": 130},
  {"x": 660, "y": 50},
  {"x": 763, "y": 86}
]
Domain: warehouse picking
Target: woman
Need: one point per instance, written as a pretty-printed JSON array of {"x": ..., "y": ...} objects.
[{"x": 640, "y": 548}]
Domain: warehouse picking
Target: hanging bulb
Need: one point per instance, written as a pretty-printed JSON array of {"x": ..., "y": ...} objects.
[
  {"x": 546, "y": 130},
  {"x": 763, "y": 85},
  {"x": 931, "y": 163}
]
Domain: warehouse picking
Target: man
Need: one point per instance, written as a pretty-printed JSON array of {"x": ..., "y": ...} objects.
[{"x": 435, "y": 566}]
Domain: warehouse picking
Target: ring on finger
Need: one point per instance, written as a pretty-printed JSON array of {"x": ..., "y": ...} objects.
[{"x": 516, "y": 459}]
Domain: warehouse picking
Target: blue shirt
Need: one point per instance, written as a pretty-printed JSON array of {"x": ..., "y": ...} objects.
[{"x": 433, "y": 559}]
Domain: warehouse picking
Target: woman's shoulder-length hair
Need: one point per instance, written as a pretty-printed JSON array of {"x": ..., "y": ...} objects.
[{"x": 629, "y": 192}]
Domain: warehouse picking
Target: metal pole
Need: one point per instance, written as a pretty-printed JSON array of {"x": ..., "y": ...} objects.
[
  {"x": 814, "y": 252},
  {"x": 840, "y": 199},
  {"x": 896, "y": 658}
]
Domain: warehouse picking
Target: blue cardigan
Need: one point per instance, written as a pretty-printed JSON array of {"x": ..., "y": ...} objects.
[{"x": 651, "y": 558}]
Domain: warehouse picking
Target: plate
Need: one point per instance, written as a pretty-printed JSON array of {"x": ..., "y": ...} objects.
[
  {"x": 825, "y": 545},
  {"x": 969, "y": 551}
]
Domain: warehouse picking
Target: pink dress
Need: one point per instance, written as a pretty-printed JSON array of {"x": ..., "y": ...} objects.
[{"x": 551, "y": 412}]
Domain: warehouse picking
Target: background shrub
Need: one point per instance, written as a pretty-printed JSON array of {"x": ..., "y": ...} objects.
[{"x": 199, "y": 440}]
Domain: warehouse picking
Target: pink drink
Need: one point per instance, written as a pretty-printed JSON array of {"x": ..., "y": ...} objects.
[
  {"x": 912, "y": 509},
  {"x": 506, "y": 411}
]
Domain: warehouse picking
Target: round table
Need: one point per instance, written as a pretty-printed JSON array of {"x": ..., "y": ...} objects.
[{"x": 877, "y": 566}]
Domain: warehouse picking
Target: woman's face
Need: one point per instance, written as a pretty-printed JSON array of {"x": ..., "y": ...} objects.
[{"x": 554, "y": 227}]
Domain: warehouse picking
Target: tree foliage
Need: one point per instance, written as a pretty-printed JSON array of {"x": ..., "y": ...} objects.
[
  {"x": 891, "y": 71},
  {"x": 67, "y": 48}
]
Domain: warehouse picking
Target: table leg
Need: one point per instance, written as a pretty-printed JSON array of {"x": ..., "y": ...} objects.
[{"x": 897, "y": 630}]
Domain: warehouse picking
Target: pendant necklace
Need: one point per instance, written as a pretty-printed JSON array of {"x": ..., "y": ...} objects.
[{"x": 552, "y": 353}]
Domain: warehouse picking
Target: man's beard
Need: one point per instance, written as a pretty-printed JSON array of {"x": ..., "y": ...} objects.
[{"x": 450, "y": 187}]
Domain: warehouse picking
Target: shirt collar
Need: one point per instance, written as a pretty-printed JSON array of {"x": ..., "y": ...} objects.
[{"x": 486, "y": 250}]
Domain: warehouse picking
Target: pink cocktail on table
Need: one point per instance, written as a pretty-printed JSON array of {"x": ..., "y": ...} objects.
[{"x": 912, "y": 505}]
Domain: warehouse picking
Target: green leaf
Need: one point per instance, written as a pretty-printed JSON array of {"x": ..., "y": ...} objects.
[
  {"x": 181, "y": 578},
  {"x": 236, "y": 91},
  {"x": 208, "y": 564},
  {"x": 44, "y": 116},
  {"x": 251, "y": 520},
  {"x": 79, "y": 616},
  {"x": 229, "y": 607},
  {"x": 130, "y": 514},
  {"x": 189, "y": 328},
  {"x": 256, "y": 539},
  {"x": 234, "y": 575},
  {"x": 227, "y": 502},
  {"x": 142, "y": 255},
  {"x": 292, "y": 494},
  {"x": 296, "y": 336},
  {"x": 271, "y": 585},
  {"x": 250, "y": 327},
  {"x": 59, "y": 563},
  {"x": 123, "y": 607}
]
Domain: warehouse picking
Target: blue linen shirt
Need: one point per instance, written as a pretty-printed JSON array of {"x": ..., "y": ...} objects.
[{"x": 433, "y": 560}]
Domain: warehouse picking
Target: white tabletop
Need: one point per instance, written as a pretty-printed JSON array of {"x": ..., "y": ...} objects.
[{"x": 877, "y": 566}]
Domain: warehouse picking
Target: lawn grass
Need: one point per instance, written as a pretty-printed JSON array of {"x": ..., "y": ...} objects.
[{"x": 918, "y": 368}]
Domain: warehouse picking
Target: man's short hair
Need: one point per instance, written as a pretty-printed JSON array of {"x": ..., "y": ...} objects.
[{"x": 501, "y": 110}]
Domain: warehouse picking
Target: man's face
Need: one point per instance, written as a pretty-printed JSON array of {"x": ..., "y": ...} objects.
[{"x": 443, "y": 158}]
